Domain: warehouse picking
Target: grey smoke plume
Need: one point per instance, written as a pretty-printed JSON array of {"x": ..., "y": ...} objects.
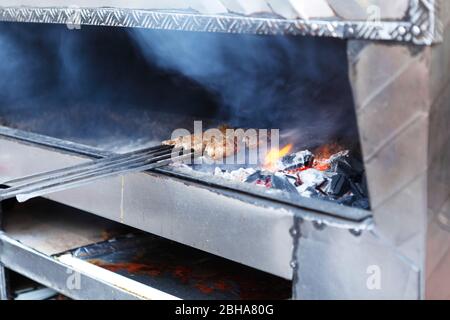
[
  {"x": 296, "y": 84},
  {"x": 108, "y": 83},
  {"x": 90, "y": 86}
]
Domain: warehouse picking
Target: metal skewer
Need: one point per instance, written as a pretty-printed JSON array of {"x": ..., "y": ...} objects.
[
  {"x": 88, "y": 179},
  {"x": 85, "y": 165},
  {"x": 78, "y": 170},
  {"x": 73, "y": 177}
]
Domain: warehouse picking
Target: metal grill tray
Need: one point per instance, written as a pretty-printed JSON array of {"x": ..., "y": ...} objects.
[
  {"x": 182, "y": 271},
  {"x": 247, "y": 228}
]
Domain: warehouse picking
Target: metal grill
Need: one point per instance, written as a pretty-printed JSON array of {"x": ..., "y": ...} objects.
[{"x": 71, "y": 177}]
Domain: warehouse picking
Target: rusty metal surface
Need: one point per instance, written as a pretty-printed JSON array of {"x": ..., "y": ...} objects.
[
  {"x": 182, "y": 271},
  {"x": 54, "y": 274},
  {"x": 51, "y": 228},
  {"x": 421, "y": 27}
]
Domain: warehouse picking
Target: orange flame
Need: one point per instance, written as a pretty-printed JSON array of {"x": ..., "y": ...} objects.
[
  {"x": 274, "y": 155},
  {"x": 323, "y": 155},
  {"x": 327, "y": 150}
]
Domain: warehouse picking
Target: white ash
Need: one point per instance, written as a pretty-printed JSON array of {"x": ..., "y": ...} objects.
[
  {"x": 310, "y": 178},
  {"x": 295, "y": 160},
  {"x": 240, "y": 174},
  {"x": 307, "y": 193},
  {"x": 294, "y": 174},
  {"x": 181, "y": 165},
  {"x": 336, "y": 156}
]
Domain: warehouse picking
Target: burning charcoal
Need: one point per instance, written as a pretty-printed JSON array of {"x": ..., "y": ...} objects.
[
  {"x": 236, "y": 175},
  {"x": 257, "y": 177},
  {"x": 311, "y": 178},
  {"x": 337, "y": 186},
  {"x": 299, "y": 160},
  {"x": 354, "y": 201},
  {"x": 340, "y": 155},
  {"x": 363, "y": 186},
  {"x": 344, "y": 164},
  {"x": 361, "y": 203},
  {"x": 347, "y": 200},
  {"x": 270, "y": 180},
  {"x": 357, "y": 165},
  {"x": 310, "y": 192},
  {"x": 296, "y": 181},
  {"x": 281, "y": 182},
  {"x": 357, "y": 189}
]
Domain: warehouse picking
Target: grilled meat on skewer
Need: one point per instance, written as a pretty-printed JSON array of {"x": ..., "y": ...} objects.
[{"x": 217, "y": 146}]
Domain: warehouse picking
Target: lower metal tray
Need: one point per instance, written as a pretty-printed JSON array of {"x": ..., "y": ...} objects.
[{"x": 87, "y": 257}]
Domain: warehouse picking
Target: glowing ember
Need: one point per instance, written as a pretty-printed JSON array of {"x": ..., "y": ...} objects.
[
  {"x": 327, "y": 150},
  {"x": 321, "y": 164},
  {"x": 323, "y": 155},
  {"x": 274, "y": 155}
]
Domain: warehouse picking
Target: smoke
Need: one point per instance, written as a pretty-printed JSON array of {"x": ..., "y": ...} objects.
[
  {"x": 87, "y": 86},
  {"x": 297, "y": 84},
  {"x": 99, "y": 84},
  {"x": 18, "y": 68},
  {"x": 39, "y": 67}
]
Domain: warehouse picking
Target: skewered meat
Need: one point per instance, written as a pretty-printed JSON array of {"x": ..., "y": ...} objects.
[
  {"x": 216, "y": 143},
  {"x": 194, "y": 142},
  {"x": 217, "y": 148}
]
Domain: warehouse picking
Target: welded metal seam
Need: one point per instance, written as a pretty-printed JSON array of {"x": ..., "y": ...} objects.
[{"x": 295, "y": 233}]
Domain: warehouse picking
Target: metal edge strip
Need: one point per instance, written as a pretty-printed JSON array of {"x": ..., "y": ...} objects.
[
  {"x": 421, "y": 26},
  {"x": 49, "y": 142}
]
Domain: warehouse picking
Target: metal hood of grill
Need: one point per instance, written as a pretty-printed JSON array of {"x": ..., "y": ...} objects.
[{"x": 414, "y": 21}]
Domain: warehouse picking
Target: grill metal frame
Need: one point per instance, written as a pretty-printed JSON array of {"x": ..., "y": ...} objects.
[
  {"x": 406, "y": 239},
  {"x": 421, "y": 26},
  {"x": 191, "y": 212}
]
